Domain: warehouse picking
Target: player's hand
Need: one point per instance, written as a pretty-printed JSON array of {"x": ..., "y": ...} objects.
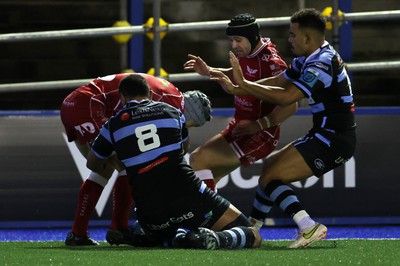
[
  {"x": 236, "y": 69},
  {"x": 195, "y": 63},
  {"x": 246, "y": 127},
  {"x": 225, "y": 82}
]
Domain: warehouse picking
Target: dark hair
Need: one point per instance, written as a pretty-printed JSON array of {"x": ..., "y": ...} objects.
[
  {"x": 245, "y": 25},
  {"x": 309, "y": 18},
  {"x": 133, "y": 85}
]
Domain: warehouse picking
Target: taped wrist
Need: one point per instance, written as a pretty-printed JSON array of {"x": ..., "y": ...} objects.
[{"x": 264, "y": 122}]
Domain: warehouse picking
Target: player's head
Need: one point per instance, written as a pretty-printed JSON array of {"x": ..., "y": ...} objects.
[
  {"x": 197, "y": 108},
  {"x": 133, "y": 86},
  {"x": 309, "y": 18},
  {"x": 244, "y": 33},
  {"x": 307, "y": 31}
]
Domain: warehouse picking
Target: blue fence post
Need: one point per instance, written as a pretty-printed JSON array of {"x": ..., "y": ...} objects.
[
  {"x": 346, "y": 44},
  {"x": 135, "y": 45}
]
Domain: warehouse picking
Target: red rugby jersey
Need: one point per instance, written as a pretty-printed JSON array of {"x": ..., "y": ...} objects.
[{"x": 263, "y": 63}]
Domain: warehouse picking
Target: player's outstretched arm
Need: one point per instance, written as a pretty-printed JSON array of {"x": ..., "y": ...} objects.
[
  {"x": 226, "y": 83},
  {"x": 235, "y": 74},
  {"x": 197, "y": 64},
  {"x": 283, "y": 96}
]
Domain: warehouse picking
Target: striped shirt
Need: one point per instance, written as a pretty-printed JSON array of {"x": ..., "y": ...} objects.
[
  {"x": 324, "y": 81},
  {"x": 142, "y": 132}
]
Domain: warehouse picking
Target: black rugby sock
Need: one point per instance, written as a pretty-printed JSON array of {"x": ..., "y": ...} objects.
[{"x": 236, "y": 238}]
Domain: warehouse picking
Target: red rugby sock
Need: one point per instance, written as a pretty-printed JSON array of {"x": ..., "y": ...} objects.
[
  {"x": 122, "y": 203},
  {"x": 88, "y": 197}
]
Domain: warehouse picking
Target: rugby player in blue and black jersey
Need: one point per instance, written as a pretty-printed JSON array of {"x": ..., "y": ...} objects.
[
  {"x": 318, "y": 74},
  {"x": 150, "y": 138}
]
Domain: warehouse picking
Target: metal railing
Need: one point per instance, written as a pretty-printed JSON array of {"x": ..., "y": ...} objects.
[
  {"x": 178, "y": 77},
  {"x": 173, "y": 27},
  {"x": 176, "y": 27}
]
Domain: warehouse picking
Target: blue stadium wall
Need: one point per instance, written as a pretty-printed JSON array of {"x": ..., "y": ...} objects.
[{"x": 41, "y": 174}]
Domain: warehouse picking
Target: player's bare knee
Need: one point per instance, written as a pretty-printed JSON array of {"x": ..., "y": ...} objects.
[{"x": 196, "y": 160}]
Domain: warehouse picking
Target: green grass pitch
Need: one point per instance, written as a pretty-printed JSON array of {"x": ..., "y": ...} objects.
[{"x": 326, "y": 252}]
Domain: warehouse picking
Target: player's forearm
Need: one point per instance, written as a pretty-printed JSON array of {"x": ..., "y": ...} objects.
[
  {"x": 275, "y": 81},
  {"x": 267, "y": 81},
  {"x": 280, "y": 114},
  {"x": 271, "y": 94},
  {"x": 277, "y": 116}
]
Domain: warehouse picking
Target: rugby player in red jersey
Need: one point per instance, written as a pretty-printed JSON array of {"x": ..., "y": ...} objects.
[{"x": 255, "y": 129}]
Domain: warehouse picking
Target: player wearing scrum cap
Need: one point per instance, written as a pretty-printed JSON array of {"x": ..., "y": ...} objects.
[
  {"x": 254, "y": 131},
  {"x": 318, "y": 74},
  {"x": 83, "y": 113}
]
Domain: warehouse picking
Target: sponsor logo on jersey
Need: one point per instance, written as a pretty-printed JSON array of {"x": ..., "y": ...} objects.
[
  {"x": 274, "y": 54},
  {"x": 125, "y": 116},
  {"x": 319, "y": 164},
  {"x": 265, "y": 57},
  {"x": 172, "y": 220},
  {"x": 310, "y": 75},
  {"x": 164, "y": 82},
  {"x": 69, "y": 103},
  {"x": 319, "y": 65},
  {"x": 243, "y": 102},
  {"x": 341, "y": 160},
  {"x": 251, "y": 71}
]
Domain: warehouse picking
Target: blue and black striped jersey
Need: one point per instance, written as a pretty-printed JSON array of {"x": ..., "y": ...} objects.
[
  {"x": 147, "y": 137},
  {"x": 324, "y": 81},
  {"x": 141, "y": 133}
]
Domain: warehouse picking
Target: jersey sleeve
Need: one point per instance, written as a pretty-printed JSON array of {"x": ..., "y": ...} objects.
[
  {"x": 312, "y": 78},
  {"x": 293, "y": 71},
  {"x": 102, "y": 146}
]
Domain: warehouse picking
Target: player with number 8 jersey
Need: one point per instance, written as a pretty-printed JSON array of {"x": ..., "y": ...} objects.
[
  {"x": 140, "y": 132},
  {"x": 83, "y": 113},
  {"x": 150, "y": 139}
]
